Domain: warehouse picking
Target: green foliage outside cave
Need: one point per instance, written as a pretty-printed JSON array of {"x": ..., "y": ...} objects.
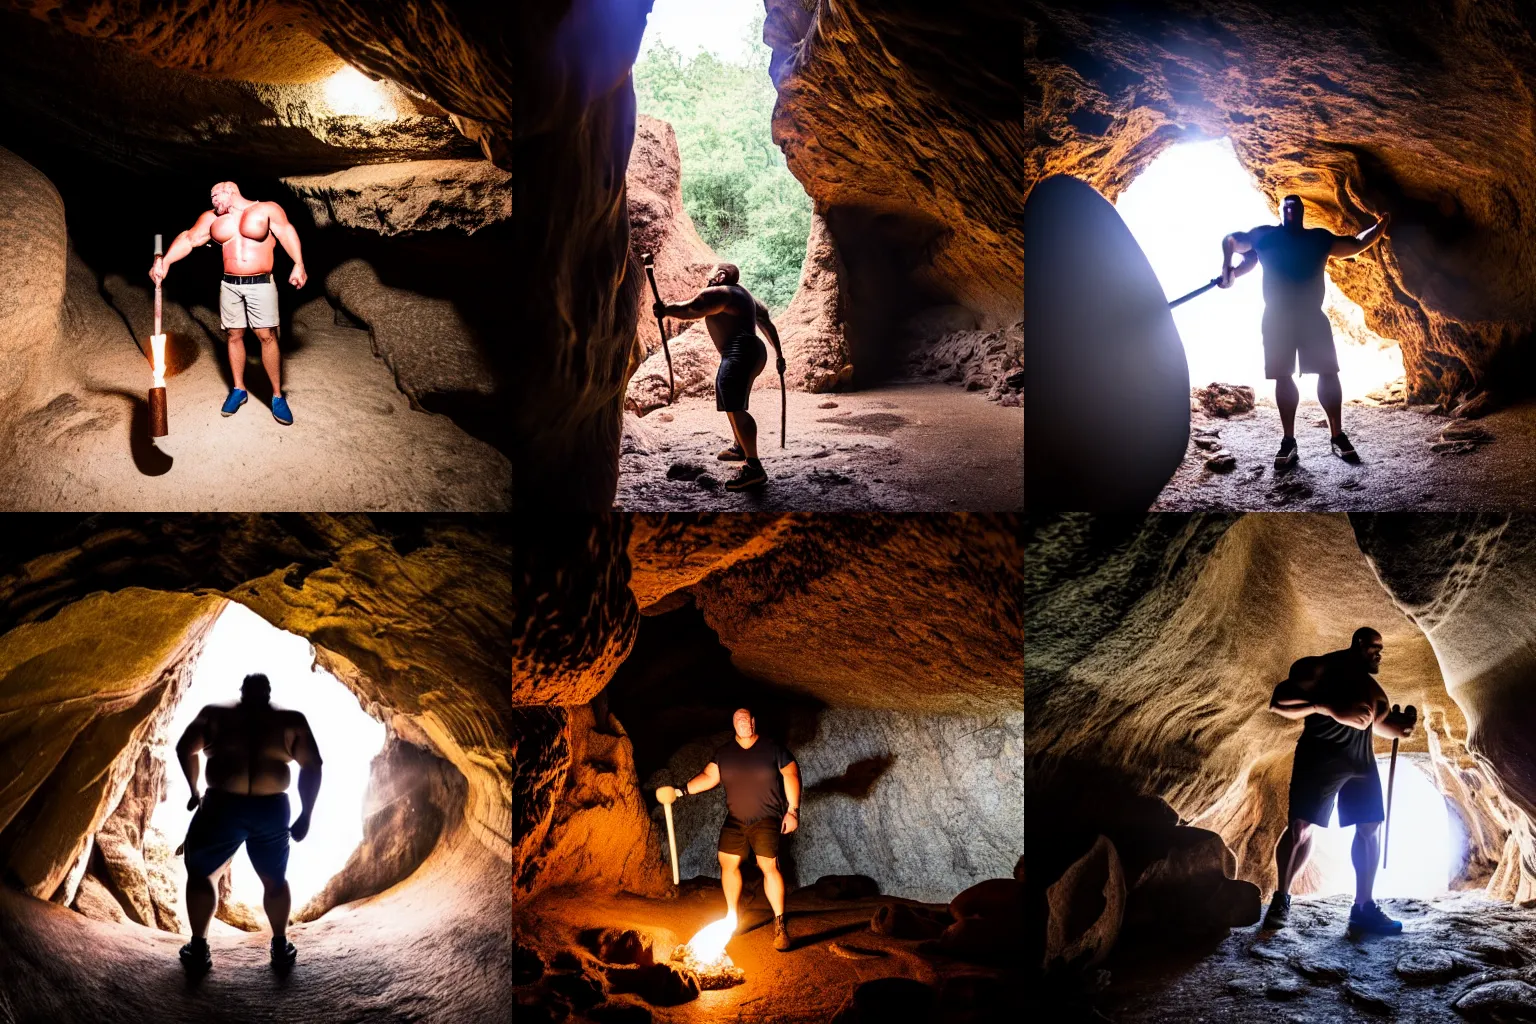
[{"x": 736, "y": 186}]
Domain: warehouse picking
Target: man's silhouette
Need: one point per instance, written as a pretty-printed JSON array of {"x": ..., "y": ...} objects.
[
  {"x": 1341, "y": 703},
  {"x": 248, "y": 747},
  {"x": 1294, "y": 323}
]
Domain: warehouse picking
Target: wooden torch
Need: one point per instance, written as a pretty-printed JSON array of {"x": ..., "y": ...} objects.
[{"x": 159, "y": 419}]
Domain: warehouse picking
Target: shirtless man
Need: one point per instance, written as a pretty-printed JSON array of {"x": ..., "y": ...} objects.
[
  {"x": 762, "y": 799},
  {"x": 1342, "y": 704},
  {"x": 1294, "y": 323},
  {"x": 248, "y": 747},
  {"x": 731, "y": 314},
  {"x": 247, "y": 230}
]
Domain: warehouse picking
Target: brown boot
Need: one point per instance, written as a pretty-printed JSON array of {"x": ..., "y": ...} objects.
[{"x": 780, "y": 934}]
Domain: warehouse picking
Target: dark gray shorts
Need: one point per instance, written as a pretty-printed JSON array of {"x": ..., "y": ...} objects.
[
  {"x": 1316, "y": 783},
  {"x": 744, "y": 357}
]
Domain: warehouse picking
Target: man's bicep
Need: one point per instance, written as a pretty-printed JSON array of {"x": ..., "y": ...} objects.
[
  {"x": 199, "y": 232},
  {"x": 305, "y": 750},
  {"x": 196, "y": 735}
]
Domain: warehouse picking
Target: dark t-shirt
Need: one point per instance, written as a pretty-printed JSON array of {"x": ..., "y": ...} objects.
[
  {"x": 1293, "y": 263},
  {"x": 753, "y": 786},
  {"x": 1343, "y": 679}
]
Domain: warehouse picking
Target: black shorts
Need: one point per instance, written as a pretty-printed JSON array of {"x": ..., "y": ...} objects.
[
  {"x": 225, "y": 820},
  {"x": 1306, "y": 337},
  {"x": 1315, "y": 784},
  {"x": 760, "y": 838},
  {"x": 742, "y": 360}
]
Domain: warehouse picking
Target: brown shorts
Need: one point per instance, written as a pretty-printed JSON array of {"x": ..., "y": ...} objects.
[
  {"x": 760, "y": 838},
  {"x": 1305, "y": 338}
]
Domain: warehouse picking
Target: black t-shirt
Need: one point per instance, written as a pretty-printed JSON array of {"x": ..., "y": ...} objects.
[
  {"x": 753, "y": 786},
  {"x": 1323, "y": 738},
  {"x": 1293, "y": 263}
]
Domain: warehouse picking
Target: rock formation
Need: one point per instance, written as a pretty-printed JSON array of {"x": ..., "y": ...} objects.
[
  {"x": 32, "y": 217},
  {"x": 1329, "y": 103}
]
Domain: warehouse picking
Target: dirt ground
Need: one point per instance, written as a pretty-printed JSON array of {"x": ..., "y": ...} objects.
[
  {"x": 900, "y": 446},
  {"x": 1399, "y": 467},
  {"x": 805, "y": 985},
  {"x": 1458, "y": 947},
  {"x": 355, "y": 443}
]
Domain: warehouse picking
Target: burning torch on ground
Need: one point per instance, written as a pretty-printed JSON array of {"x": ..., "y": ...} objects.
[
  {"x": 158, "y": 417},
  {"x": 704, "y": 954}
]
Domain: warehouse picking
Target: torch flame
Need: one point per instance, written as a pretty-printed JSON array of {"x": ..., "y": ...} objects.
[
  {"x": 157, "y": 349},
  {"x": 708, "y": 945}
]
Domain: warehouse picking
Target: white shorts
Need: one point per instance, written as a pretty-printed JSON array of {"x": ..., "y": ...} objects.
[{"x": 248, "y": 305}]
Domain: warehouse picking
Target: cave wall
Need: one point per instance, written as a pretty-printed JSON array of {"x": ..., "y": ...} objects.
[
  {"x": 1360, "y": 108},
  {"x": 1153, "y": 648},
  {"x": 1465, "y": 579},
  {"x": 903, "y": 122},
  {"x": 31, "y": 311},
  {"x": 926, "y": 805}
]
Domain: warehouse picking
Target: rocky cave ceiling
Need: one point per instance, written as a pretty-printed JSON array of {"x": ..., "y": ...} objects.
[
  {"x": 101, "y": 618},
  {"x": 1154, "y": 644},
  {"x": 1353, "y": 105}
]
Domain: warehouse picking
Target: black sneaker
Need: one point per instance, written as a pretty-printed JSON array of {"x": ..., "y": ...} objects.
[
  {"x": 749, "y": 476},
  {"x": 1370, "y": 918},
  {"x": 1286, "y": 457},
  {"x": 1342, "y": 448},
  {"x": 1279, "y": 911}
]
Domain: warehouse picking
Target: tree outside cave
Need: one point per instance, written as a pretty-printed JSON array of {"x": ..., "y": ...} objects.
[{"x": 719, "y": 100}]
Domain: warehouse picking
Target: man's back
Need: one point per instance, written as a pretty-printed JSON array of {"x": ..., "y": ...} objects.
[
  {"x": 738, "y": 317},
  {"x": 248, "y": 749}
]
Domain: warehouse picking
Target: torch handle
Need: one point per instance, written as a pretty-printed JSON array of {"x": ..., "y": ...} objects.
[
  {"x": 157, "y": 307},
  {"x": 671, "y": 840},
  {"x": 650, "y": 272}
]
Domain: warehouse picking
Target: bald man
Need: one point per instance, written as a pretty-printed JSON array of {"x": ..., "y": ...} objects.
[
  {"x": 248, "y": 231},
  {"x": 732, "y": 316}
]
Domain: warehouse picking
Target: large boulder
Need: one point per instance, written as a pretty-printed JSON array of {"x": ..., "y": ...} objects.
[
  {"x": 31, "y": 304},
  {"x": 415, "y": 195},
  {"x": 1085, "y": 908},
  {"x": 1190, "y": 888},
  {"x": 813, "y": 330}
]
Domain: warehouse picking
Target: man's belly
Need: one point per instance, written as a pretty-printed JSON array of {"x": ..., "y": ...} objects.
[
  {"x": 236, "y": 775},
  {"x": 249, "y": 258}
]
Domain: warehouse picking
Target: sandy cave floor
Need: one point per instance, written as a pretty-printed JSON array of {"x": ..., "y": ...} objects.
[
  {"x": 433, "y": 949},
  {"x": 355, "y": 444},
  {"x": 916, "y": 446},
  {"x": 1398, "y": 468},
  {"x": 1311, "y": 971},
  {"x": 805, "y": 985}
]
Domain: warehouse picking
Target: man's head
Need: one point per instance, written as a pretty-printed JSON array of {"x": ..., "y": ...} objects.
[
  {"x": 1291, "y": 211},
  {"x": 256, "y": 689},
  {"x": 744, "y": 722},
  {"x": 725, "y": 273},
  {"x": 1367, "y": 644},
  {"x": 224, "y": 195}
]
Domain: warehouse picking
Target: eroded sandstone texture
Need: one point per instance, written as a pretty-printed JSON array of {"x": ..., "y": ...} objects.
[
  {"x": 1154, "y": 645},
  {"x": 1355, "y": 107}
]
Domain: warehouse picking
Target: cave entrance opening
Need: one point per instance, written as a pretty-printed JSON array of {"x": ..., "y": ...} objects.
[
  {"x": 1179, "y": 209},
  {"x": 1421, "y": 856},
  {"x": 241, "y": 642},
  {"x": 703, "y": 69}
]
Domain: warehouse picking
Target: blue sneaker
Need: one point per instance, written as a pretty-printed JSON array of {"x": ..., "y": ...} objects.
[
  {"x": 233, "y": 403},
  {"x": 280, "y": 410}
]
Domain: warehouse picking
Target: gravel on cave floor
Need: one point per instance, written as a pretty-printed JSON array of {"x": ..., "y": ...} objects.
[{"x": 1313, "y": 971}]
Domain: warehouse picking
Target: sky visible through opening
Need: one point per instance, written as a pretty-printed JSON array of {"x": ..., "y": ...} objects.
[
  {"x": 1179, "y": 209},
  {"x": 242, "y": 642},
  {"x": 719, "y": 26},
  {"x": 1420, "y": 855}
]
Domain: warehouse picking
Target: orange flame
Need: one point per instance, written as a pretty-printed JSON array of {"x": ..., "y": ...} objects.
[{"x": 708, "y": 945}]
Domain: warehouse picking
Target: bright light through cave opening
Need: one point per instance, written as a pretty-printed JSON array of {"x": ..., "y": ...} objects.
[
  {"x": 349, "y": 91},
  {"x": 1179, "y": 209},
  {"x": 1420, "y": 854},
  {"x": 242, "y": 642}
]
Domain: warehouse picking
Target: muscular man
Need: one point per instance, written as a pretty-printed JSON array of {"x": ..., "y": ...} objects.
[
  {"x": 1342, "y": 705},
  {"x": 1294, "y": 323},
  {"x": 248, "y": 747},
  {"x": 732, "y": 314},
  {"x": 247, "y": 229},
  {"x": 762, "y": 799}
]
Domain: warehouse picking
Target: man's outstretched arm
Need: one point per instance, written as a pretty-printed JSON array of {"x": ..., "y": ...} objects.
[
  {"x": 192, "y": 741},
  {"x": 765, "y": 322},
  {"x": 307, "y": 753},
  {"x": 183, "y": 244},
  {"x": 1236, "y": 242},
  {"x": 710, "y": 300},
  {"x": 1350, "y": 245}
]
